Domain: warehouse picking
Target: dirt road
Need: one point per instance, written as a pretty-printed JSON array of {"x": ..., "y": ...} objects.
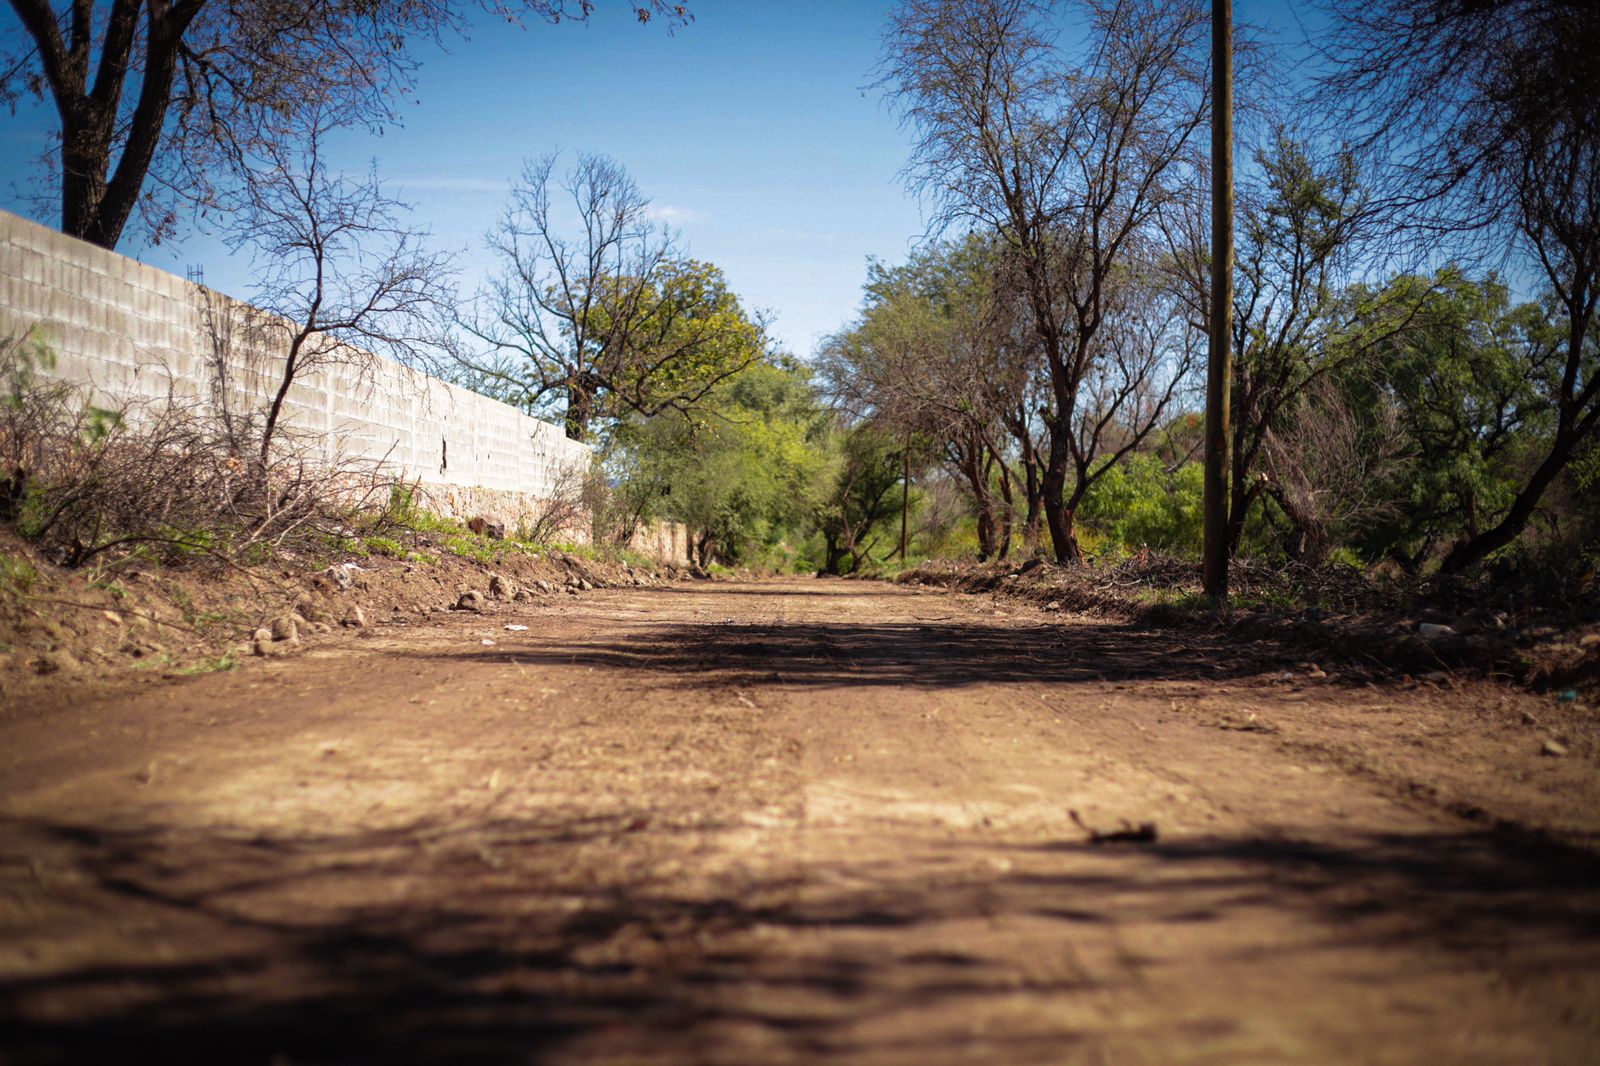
[{"x": 795, "y": 821}]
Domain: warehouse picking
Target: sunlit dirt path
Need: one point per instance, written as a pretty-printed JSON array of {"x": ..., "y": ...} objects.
[{"x": 797, "y": 821}]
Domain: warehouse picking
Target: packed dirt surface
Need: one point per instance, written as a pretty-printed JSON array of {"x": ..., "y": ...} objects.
[{"x": 795, "y": 821}]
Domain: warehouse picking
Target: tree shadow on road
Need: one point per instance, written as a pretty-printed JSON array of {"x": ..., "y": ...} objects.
[
  {"x": 543, "y": 939},
  {"x": 915, "y": 655}
]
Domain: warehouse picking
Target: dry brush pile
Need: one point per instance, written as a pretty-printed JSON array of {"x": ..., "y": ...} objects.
[{"x": 166, "y": 479}]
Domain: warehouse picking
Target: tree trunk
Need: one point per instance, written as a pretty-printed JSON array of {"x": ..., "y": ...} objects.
[
  {"x": 1035, "y": 515},
  {"x": 971, "y": 467},
  {"x": 1056, "y": 513},
  {"x": 85, "y": 147},
  {"x": 1241, "y": 499},
  {"x": 1007, "y": 511},
  {"x": 97, "y": 200},
  {"x": 291, "y": 366},
  {"x": 985, "y": 532},
  {"x": 905, "y": 498},
  {"x": 580, "y": 409}
]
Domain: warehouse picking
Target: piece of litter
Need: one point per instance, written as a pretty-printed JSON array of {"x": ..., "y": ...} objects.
[
  {"x": 486, "y": 642},
  {"x": 516, "y": 629},
  {"x": 1567, "y": 696}
]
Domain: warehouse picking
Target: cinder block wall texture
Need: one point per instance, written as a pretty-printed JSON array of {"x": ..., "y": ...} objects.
[{"x": 130, "y": 331}]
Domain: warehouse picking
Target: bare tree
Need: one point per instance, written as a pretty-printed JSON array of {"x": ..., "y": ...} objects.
[
  {"x": 1148, "y": 350},
  {"x": 162, "y": 102},
  {"x": 609, "y": 319},
  {"x": 563, "y": 508},
  {"x": 340, "y": 279},
  {"x": 1327, "y": 471},
  {"x": 1068, "y": 157}
]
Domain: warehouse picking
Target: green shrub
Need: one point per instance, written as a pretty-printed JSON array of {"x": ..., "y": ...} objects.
[{"x": 1140, "y": 503}]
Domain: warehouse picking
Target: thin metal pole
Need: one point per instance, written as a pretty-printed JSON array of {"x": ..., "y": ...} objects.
[
  {"x": 905, "y": 498},
  {"x": 1219, "y": 366}
]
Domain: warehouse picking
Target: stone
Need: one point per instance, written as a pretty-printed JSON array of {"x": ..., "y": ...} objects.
[
  {"x": 340, "y": 577},
  {"x": 471, "y": 600},
  {"x": 267, "y": 648},
  {"x": 354, "y": 618},
  {"x": 544, "y": 586},
  {"x": 287, "y": 628},
  {"x": 1434, "y": 631},
  {"x": 1589, "y": 640},
  {"x": 1554, "y": 749},
  {"x": 485, "y": 527},
  {"x": 500, "y": 587},
  {"x": 584, "y": 586},
  {"x": 306, "y": 607},
  {"x": 262, "y": 636},
  {"x": 521, "y": 596}
]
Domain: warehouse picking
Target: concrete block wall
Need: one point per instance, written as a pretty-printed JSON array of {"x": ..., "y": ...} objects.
[{"x": 131, "y": 331}]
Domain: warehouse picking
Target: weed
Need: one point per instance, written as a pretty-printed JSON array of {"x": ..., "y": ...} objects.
[
  {"x": 228, "y": 660},
  {"x": 477, "y": 549},
  {"x": 601, "y": 553},
  {"x": 106, "y": 583},
  {"x": 393, "y": 549},
  {"x": 383, "y": 546},
  {"x": 17, "y": 573}
]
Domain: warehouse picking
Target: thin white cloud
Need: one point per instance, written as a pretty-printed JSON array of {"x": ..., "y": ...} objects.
[
  {"x": 671, "y": 215},
  {"x": 454, "y": 184}
]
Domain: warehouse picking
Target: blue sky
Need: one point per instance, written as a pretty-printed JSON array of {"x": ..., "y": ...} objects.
[{"x": 753, "y": 130}]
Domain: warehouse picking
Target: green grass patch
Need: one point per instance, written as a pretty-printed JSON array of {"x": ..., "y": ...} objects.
[
  {"x": 17, "y": 573},
  {"x": 228, "y": 660}
]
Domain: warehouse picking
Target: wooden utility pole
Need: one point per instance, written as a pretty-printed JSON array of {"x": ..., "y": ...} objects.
[{"x": 1219, "y": 368}]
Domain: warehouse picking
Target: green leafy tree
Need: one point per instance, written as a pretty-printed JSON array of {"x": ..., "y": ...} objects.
[
  {"x": 1298, "y": 315},
  {"x": 742, "y": 473},
  {"x": 604, "y": 318},
  {"x": 863, "y": 503},
  {"x": 1470, "y": 385},
  {"x": 1487, "y": 124}
]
